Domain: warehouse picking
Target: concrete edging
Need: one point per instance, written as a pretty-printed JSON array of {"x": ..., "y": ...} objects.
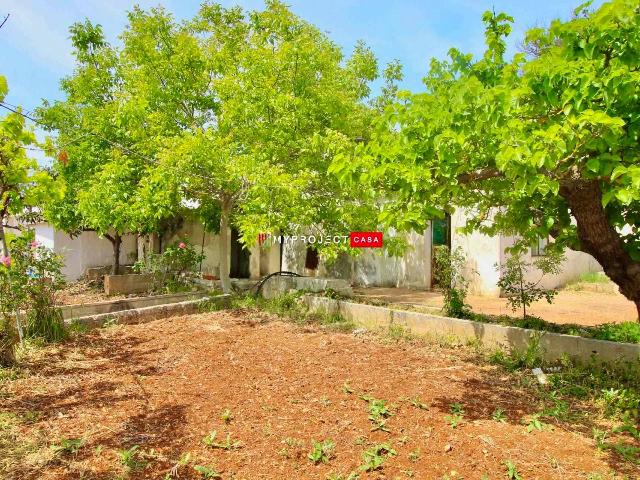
[
  {"x": 108, "y": 306},
  {"x": 554, "y": 345},
  {"x": 145, "y": 314}
]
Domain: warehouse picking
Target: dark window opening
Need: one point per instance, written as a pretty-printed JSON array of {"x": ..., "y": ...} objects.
[{"x": 313, "y": 260}]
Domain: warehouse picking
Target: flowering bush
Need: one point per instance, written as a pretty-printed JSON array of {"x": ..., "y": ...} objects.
[
  {"x": 173, "y": 268},
  {"x": 29, "y": 279}
]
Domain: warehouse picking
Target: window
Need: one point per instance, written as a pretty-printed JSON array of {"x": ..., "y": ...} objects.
[
  {"x": 312, "y": 260},
  {"x": 538, "y": 248}
]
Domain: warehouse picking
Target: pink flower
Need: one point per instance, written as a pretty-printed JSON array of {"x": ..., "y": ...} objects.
[
  {"x": 182, "y": 245},
  {"x": 6, "y": 261},
  {"x": 34, "y": 244}
]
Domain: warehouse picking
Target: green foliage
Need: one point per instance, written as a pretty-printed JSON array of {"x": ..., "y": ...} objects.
[
  {"x": 173, "y": 268},
  {"x": 29, "y": 280},
  {"x": 132, "y": 459},
  {"x": 321, "y": 452},
  {"x": 499, "y": 416},
  {"x": 374, "y": 457},
  {"x": 532, "y": 146},
  {"x": 227, "y": 444},
  {"x": 449, "y": 275},
  {"x": 515, "y": 284},
  {"x": 512, "y": 471},
  {"x": 68, "y": 446},
  {"x": 206, "y": 472}
]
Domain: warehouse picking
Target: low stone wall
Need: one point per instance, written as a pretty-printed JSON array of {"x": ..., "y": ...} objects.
[
  {"x": 146, "y": 314},
  {"x": 93, "y": 274},
  {"x": 278, "y": 285},
  {"x": 127, "y": 284},
  {"x": 75, "y": 311},
  {"x": 554, "y": 345}
]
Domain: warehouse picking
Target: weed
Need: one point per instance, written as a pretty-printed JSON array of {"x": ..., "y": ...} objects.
[
  {"x": 414, "y": 456},
  {"x": 346, "y": 388},
  {"x": 499, "y": 416},
  {"x": 226, "y": 415},
  {"x": 321, "y": 452},
  {"x": 68, "y": 446},
  {"x": 456, "y": 409},
  {"x": 374, "y": 457},
  {"x": 453, "y": 420},
  {"x": 534, "y": 423},
  {"x": 512, "y": 471},
  {"x": 132, "y": 459},
  {"x": 379, "y": 412},
  {"x": 341, "y": 476},
  {"x": 452, "y": 475},
  {"x": 227, "y": 444},
  {"x": 416, "y": 402},
  {"x": 206, "y": 472}
]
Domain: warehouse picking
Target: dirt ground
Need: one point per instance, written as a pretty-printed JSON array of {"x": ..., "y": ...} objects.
[
  {"x": 163, "y": 386},
  {"x": 80, "y": 293},
  {"x": 580, "y": 307}
]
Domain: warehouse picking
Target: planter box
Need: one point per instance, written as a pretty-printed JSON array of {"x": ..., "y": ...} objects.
[
  {"x": 95, "y": 274},
  {"x": 126, "y": 284}
]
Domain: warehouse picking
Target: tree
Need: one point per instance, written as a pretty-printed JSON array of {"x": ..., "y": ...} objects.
[
  {"x": 22, "y": 183},
  {"x": 104, "y": 154},
  {"x": 535, "y": 146},
  {"x": 518, "y": 289},
  {"x": 251, "y": 105}
]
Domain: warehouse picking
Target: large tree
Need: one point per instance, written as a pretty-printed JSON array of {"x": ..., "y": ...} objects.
[
  {"x": 104, "y": 154},
  {"x": 543, "y": 144},
  {"x": 250, "y": 105}
]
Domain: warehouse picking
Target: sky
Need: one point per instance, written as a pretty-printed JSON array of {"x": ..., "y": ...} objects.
[{"x": 35, "y": 51}]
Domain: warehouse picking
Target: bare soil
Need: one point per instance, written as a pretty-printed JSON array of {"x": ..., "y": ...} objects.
[
  {"x": 587, "y": 308},
  {"x": 163, "y": 385}
]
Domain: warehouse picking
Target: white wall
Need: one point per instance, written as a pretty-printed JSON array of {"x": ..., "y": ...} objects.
[
  {"x": 483, "y": 254},
  {"x": 88, "y": 250},
  {"x": 372, "y": 267},
  {"x": 574, "y": 265}
]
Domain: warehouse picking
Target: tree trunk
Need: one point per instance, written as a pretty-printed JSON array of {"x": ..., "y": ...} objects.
[
  {"x": 599, "y": 238},
  {"x": 224, "y": 245},
  {"x": 3, "y": 240},
  {"x": 116, "y": 243}
]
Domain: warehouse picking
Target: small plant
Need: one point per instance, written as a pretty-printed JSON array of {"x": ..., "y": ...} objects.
[
  {"x": 449, "y": 275},
  {"x": 457, "y": 414},
  {"x": 416, "y": 402},
  {"x": 454, "y": 420},
  {"x": 414, "y": 456},
  {"x": 173, "y": 268},
  {"x": 132, "y": 459},
  {"x": 515, "y": 284},
  {"x": 512, "y": 472},
  {"x": 498, "y": 415},
  {"x": 227, "y": 444},
  {"x": 341, "y": 476},
  {"x": 346, "y": 388},
  {"x": 226, "y": 415},
  {"x": 68, "y": 446},
  {"x": 534, "y": 423},
  {"x": 206, "y": 472},
  {"x": 374, "y": 457},
  {"x": 321, "y": 452}
]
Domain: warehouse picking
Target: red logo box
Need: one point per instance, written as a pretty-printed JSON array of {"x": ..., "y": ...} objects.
[{"x": 365, "y": 239}]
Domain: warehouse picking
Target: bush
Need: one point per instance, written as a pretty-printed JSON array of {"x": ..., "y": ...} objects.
[
  {"x": 29, "y": 280},
  {"x": 173, "y": 269},
  {"x": 449, "y": 275}
]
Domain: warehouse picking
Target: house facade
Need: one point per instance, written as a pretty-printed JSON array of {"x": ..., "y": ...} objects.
[{"x": 373, "y": 267}]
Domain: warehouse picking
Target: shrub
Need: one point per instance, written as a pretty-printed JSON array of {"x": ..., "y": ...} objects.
[
  {"x": 29, "y": 280},
  {"x": 172, "y": 269},
  {"x": 449, "y": 275}
]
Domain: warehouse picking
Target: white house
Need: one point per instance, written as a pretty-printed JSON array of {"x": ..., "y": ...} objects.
[
  {"x": 373, "y": 267},
  {"x": 83, "y": 251}
]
